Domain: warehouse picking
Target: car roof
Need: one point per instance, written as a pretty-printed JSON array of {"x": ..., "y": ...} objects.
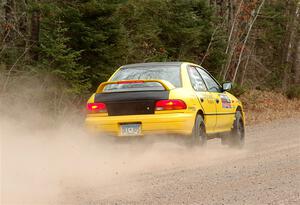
[{"x": 152, "y": 64}]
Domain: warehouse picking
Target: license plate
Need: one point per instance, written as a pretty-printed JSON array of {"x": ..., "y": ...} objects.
[{"x": 131, "y": 129}]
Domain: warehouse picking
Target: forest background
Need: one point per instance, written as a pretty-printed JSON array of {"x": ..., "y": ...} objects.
[{"x": 61, "y": 50}]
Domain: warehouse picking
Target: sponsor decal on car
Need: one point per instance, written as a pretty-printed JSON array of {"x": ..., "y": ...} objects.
[{"x": 226, "y": 102}]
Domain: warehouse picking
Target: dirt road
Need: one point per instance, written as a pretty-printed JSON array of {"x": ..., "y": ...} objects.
[{"x": 74, "y": 171}]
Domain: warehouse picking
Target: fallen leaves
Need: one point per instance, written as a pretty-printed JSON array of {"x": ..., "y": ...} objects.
[{"x": 264, "y": 106}]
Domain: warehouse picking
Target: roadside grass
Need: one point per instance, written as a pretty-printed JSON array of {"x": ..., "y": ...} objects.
[
  {"x": 265, "y": 106},
  {"x": 39, "y": 99}
]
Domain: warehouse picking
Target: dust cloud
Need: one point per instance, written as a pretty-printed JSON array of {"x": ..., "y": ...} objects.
[{"x": 58, "y": 163}]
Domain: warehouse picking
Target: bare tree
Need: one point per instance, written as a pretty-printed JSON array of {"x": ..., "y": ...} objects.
[
  {"x": 209, "y": 45},
  {"x": 296, "y": 64},
  {"x": 290, "y": 42},
  {"x": 35, "y": 33},
  {"x": 246, "y": 40},
  {"x": 231, "y": 42},
  {"x": 233, "y": 26},
  {"x": 9, "y": 9}
]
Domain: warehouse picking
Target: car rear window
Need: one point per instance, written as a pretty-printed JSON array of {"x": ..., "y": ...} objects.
[{"x": 168, "y": 73}]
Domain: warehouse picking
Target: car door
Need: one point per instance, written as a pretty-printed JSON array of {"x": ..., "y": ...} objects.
[
  {"x": 205, "y": 98},
  {"x": 225, "y": 113}
]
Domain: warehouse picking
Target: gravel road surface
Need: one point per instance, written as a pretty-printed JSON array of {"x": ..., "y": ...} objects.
[{"x": 266, "y": 171}]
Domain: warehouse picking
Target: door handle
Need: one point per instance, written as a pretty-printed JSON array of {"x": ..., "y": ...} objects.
[{"x": 217, "y": 100}]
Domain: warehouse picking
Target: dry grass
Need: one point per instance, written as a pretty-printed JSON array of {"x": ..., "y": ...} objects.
[
  {"x": 39, "y": 95},
  {"x": 265, "y": 106}
]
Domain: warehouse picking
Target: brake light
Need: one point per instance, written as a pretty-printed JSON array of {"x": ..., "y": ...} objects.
[
  {"x": 96, "y": 107},
  {"x": 170, "y": 105}
]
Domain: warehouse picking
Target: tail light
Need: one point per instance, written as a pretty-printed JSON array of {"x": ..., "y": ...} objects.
[
  {"x": 170, "y": 105},
  {"x": 96, "y": 107}
]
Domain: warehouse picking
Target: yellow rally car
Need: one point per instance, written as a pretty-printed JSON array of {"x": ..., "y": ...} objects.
[{"x": 176, "y": 98}]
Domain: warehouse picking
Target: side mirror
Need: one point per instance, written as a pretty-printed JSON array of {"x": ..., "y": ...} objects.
[{"x": 227, "y": 86}]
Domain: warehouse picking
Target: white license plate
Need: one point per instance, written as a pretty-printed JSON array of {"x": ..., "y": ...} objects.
[{"x": 131, "y": 129}]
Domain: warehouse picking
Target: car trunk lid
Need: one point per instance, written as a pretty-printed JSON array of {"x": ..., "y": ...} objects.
[{"x": 131, "y": 103}]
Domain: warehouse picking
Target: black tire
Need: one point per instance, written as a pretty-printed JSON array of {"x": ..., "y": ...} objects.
[
  {"x": 199, "y": 137},
  {"x": 237, "y": 136}
]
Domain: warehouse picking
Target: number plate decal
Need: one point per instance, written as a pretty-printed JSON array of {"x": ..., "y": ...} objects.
[{"x": 130, "y": 129}]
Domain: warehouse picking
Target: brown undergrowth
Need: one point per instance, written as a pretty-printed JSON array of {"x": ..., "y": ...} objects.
[{"x": 265, "y": 106}]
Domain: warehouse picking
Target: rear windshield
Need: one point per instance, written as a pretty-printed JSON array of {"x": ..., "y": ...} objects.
[{"x": 168, "y": 73}]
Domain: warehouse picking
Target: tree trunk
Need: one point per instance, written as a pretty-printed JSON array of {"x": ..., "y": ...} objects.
[
  {"x": 9, "y": 8},
  {"x": 297, "y": 66},
  {"x": 246, "y": 40},
  {"x": 23, "y": 22},
  {"x": 290, "y": 43},
  {"x": 296, "y": 63},
  {"x": 229, "y": 13},
  {"x": 35, "y": 34},
  {"x": 232, "y": 37}
]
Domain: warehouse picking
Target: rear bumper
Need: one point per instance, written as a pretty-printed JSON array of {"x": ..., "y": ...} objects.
[{"x": 170, "y": 123}]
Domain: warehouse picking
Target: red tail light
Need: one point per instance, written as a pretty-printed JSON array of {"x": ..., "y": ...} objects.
[
  {"x": 96, "y": 107},
  {"x": 170, "y": 105}
]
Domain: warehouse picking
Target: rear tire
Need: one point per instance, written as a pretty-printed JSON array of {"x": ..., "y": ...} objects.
[
  {"x": 199, "y": 137},
  {"x": 237, "y": 136}
]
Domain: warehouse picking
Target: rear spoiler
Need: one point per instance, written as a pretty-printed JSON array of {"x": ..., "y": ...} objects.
[{"x": 166, "y": 84}]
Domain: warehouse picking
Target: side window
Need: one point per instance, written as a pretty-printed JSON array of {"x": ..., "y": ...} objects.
[
  {"x": 196, "y": 80},
  {"x": 212, "y": 85}
]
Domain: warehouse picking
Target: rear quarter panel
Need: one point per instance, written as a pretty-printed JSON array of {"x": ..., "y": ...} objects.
[{"x": 236, "y": 104}]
